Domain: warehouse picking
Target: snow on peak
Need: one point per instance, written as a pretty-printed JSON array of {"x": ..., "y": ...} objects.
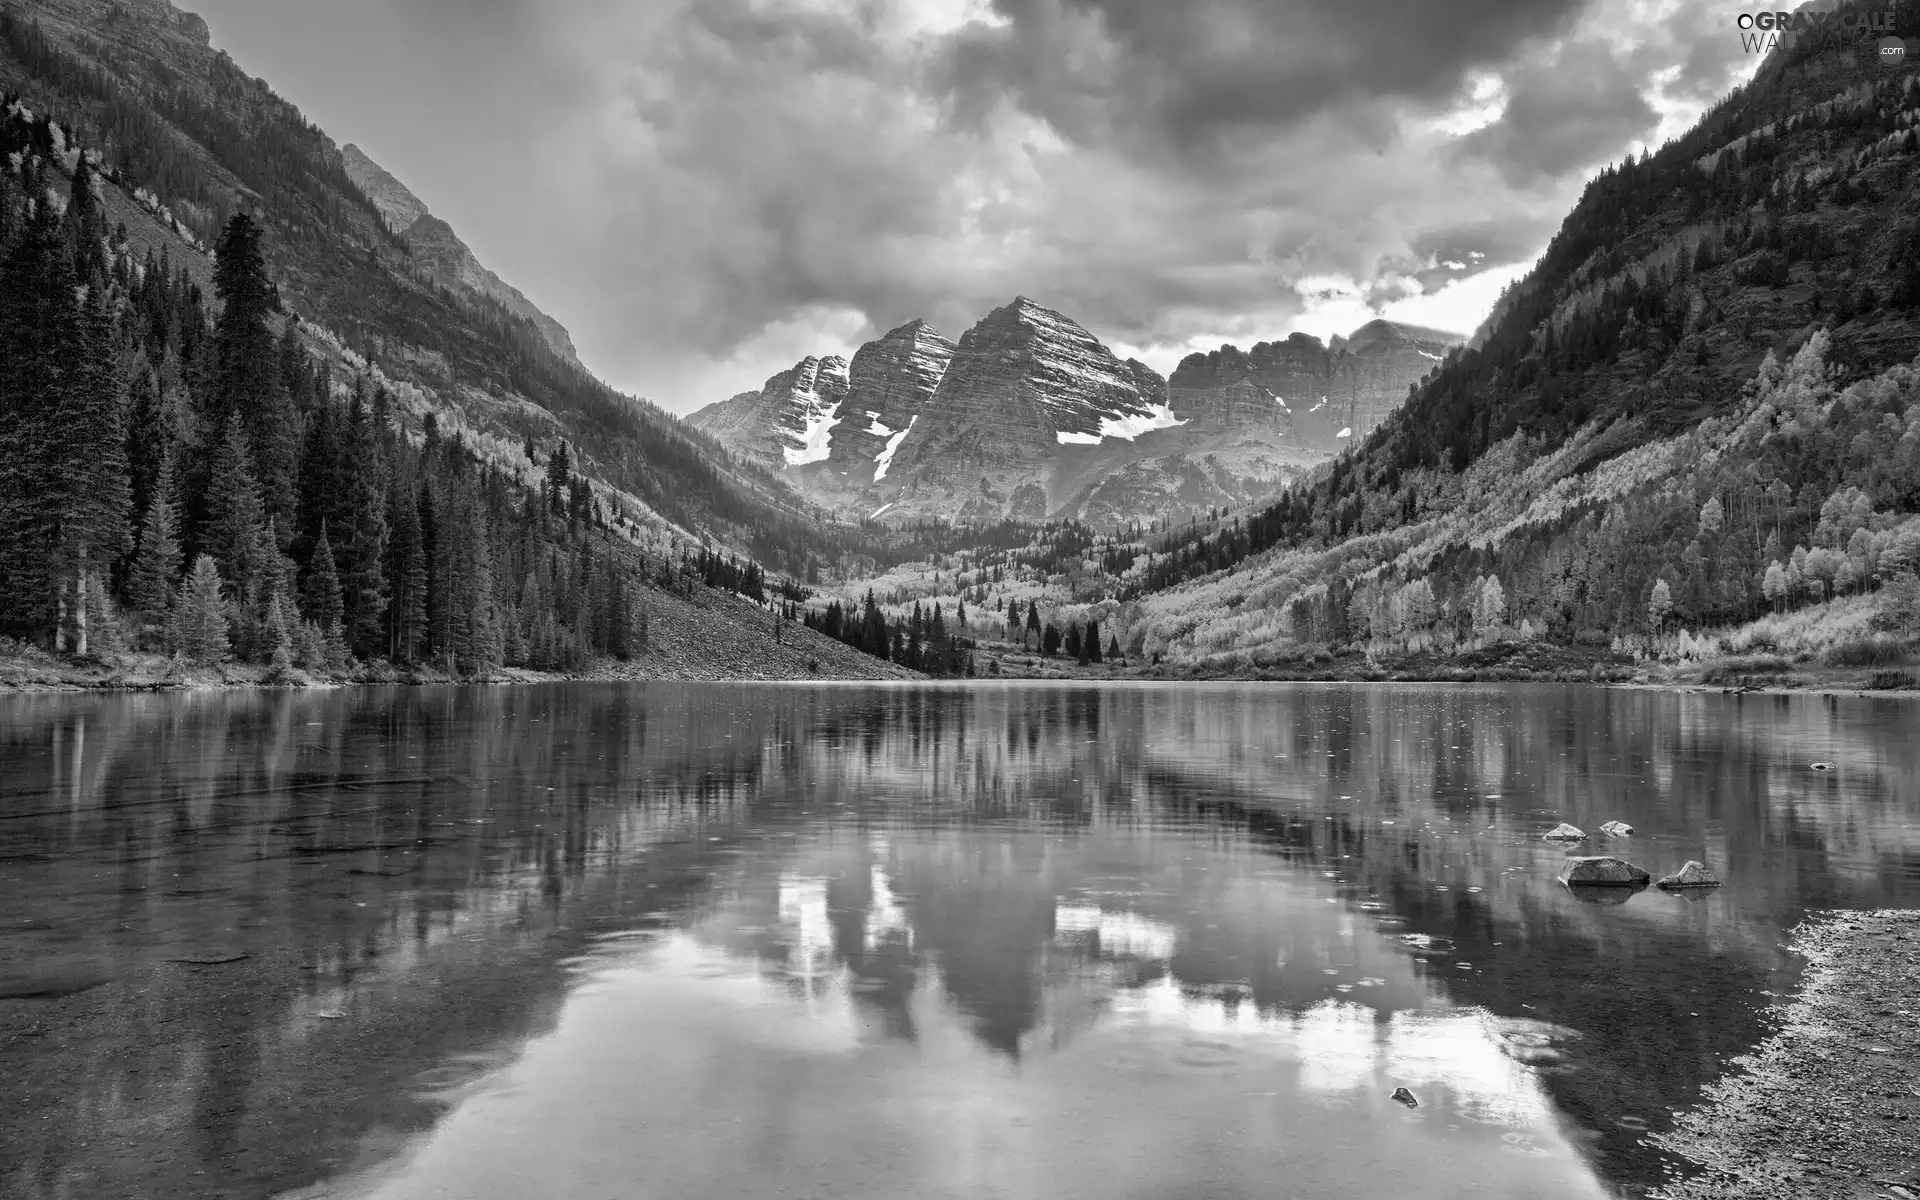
[
  {"x": 1126, "y": 427},
  {"x": 1344, "y": 433},
  {"x": 884, "y": 459},
  {"x": 816, "y": 436}
]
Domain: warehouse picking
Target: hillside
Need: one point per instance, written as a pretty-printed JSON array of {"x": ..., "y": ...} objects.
[
  {"x": 186, "y": 135},
  {"x": 1703, "y": 381}
]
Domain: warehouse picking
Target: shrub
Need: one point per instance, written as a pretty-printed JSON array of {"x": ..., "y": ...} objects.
[
  {"x": 1893, "y": 681},
  {"x": 1733, "y": 670},
  {"x": 1878, "y": 651}
]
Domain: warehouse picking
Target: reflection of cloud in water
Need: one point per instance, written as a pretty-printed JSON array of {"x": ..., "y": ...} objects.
[
  {"x": 885, "y": 917},
  {"x": 803, "y": 918},
  {"x": 1120, "y": 934}
]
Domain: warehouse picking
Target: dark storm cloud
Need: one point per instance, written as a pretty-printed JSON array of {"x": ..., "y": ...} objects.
[
  {"x": 1187, "y": 74},
  {"x": 1563, "y": 109},
  {"x": 704, "y": 190}
]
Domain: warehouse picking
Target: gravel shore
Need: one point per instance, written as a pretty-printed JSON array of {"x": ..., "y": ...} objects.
[{"x": 1828, "y": 1106}]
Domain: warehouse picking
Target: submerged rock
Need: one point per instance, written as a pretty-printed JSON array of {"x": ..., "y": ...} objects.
[
  {"x": 1602, "y": 870},
  {"x": 1564, "y": 832},
  {"x": 1616, "y": 829},
  {"x": 1694, "y": 874},
  {"x": 1405, "y": 1097},
  {"x": 1823, "y": 766}
]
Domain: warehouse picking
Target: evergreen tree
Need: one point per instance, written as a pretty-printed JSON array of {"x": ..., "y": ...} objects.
[
  {"x": 157, "y": 564},
  {"x": 320, "y": 591},
  {"x": 40, "y": 331},
  {"x": 407, "y": 571},
  {"x": 149, "y": 439},
  {"x": 1092, "y": 641},
  {"x": 560, "y": 477},
  {"x": 200, "y": 619},
  {"x": 94, "y": 500},
  {"x": 234, "y": 533},
  {"x": 250, "y": 382},
  {"x": 363, "y": 584}
]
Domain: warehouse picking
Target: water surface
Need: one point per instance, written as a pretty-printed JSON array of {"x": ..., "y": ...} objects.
[{"x": 891, "y": 941}]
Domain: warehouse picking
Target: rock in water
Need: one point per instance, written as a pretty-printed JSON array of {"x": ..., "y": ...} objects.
[
  {"x": 1564, "y": 832},
  {"x": 1602, "y": 870},
  {"x": 1405, "y": 1097},
  {"x": 1616, "y": 829},
  {"x": 1823, "y": 766},
  {"x": 1694, "y": 874}
]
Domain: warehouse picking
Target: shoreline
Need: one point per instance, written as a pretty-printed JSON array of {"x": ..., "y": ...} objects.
[
  {"x": 1827, "y": 1106},
  {"x": 21, "y": 675}
]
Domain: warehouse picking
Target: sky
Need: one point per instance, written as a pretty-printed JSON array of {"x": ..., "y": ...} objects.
[{"x": 705, "y": 191}]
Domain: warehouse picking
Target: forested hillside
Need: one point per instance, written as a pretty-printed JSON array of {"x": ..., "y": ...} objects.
[
  {"x": 1694, "y": 410},
  {"x": 184, "y": 138}
]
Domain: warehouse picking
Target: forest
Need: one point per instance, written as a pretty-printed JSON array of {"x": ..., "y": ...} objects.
[{"x": 203, "y": 485}]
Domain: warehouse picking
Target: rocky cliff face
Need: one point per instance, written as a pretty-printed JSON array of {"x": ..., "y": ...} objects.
[
  {"x": 790, "y": 422},
  {"x": 1322, "y": 394},
  {"x": 438, "y": 250},
  {"x": 1024, "y": 382}
]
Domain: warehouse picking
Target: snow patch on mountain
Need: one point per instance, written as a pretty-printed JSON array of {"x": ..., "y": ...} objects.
[
  {"x": 816, "y": 436},
  {"x": 884, "y": 459}
]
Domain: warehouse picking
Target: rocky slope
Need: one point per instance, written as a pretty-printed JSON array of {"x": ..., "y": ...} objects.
[
  {"x": 438, "y": 250},
  {"x": 1030, "y": 416},
  {"x": 790, "y": 422}
]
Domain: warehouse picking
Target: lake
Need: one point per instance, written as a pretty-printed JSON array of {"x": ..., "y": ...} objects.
[{"x": 987, "y": 941}]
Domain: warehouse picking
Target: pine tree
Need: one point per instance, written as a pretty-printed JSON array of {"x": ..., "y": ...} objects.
[
  {"x": 234, "y": 533},
  {"x": 40, "y": 330},
  {"x": 250, "y": 382},
  {"x": 559, "y": 477},
  {"x": 149, "y": 438},
  {"x": 407, "y": 572},
  {"x": 1092, "y": 641},
  {"x": 200, "y": 619},
  {"x": 157, "y": 564},
  {"x": 320, "y": 591},
  {"x": 95, "y": 498},
  {"x": 363, "y": 584}
]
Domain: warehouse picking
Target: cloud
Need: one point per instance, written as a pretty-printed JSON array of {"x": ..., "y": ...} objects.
[{"x": 702, "y": 190}]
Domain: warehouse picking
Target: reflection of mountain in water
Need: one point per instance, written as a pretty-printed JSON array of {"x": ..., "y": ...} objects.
[{"x": 1042, "y": 862}]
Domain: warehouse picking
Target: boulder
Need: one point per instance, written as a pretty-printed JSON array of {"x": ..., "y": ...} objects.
[
  {"x": 1405, "y": 1097},
  {"x": 1616, "y": 829},
  {"x": 1602, "y": 870},
  {"x": 1564, "y": 832},
  {"x": 1823, "y": 766},
  {"x": 1694, "y": 874}
]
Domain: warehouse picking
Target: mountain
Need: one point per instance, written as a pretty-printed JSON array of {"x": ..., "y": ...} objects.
[
  {"x": 439, "y": 250},
  {"x": 186, "y": 137},
  {"x": 787, "y": 423},
  {"x": 1030, "y": 416},
  {"x": 1697, "y": 408},
  {"x": 1324, "y": 393}
]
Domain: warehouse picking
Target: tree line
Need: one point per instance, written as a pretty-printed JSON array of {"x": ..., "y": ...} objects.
[{"x": 186, "y": 477}]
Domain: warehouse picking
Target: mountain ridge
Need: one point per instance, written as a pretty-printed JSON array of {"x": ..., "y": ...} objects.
[
  {"x": 435, "y": 244},
  {"x": 1030, "y": 417}
]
